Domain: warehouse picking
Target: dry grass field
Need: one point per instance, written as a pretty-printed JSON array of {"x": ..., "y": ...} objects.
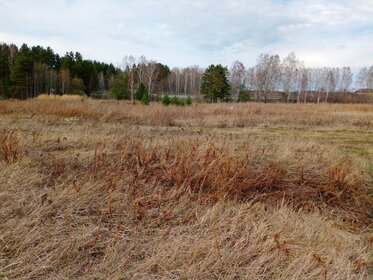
[{"x": 109, "y": 190}]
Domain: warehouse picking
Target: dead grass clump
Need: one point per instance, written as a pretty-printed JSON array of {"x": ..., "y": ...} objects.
[
  {"x": 10, "y": 147},
  {"x": 61, "y": 108},
  {"x": 65, "y": 110},
  {"x": 61, "y": 97},
  {"x": 210, "y": 174},
  {"x": 363, "y": 122}
]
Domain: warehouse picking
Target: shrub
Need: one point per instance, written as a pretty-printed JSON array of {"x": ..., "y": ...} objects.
[
  {"x": 243, "y": 94},
  {"x": 166, "y": 100},
  {"x": 145, "y": 99},
  {"x": 189, "y": 100},
  {"x": 176, "y": 101},
  {"x": 119, "y": 88},
  {"x": 77, "y": 86}
]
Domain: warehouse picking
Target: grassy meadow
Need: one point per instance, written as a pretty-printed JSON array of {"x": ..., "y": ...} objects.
[{"x": 103, "y": 189}]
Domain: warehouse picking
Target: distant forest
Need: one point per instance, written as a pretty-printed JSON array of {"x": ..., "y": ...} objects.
[{"x": 26, "y": 72}]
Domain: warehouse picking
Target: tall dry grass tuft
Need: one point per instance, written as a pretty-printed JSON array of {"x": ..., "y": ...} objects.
[
  {"x": 10, "y": 147},
  {"x": 61, "y": 97},
  {"x": 209, "y": 174}
]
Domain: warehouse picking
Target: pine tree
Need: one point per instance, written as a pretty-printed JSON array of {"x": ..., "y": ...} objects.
[
  {"x": 145, "y": 99},
  {"x": 188, "y": 100},
  {"x": 215, "y": 84},
  {"x": 140, "y": 92}
]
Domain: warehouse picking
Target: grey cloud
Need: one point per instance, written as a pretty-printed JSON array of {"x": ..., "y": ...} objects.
[{"x": 182, "y": 32}]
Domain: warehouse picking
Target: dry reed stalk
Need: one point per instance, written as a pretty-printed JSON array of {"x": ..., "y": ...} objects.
[
  {"x": 281, "y": 246},
  {"x": 321, "y": 263},
  {"x": 217, "y": 246}
]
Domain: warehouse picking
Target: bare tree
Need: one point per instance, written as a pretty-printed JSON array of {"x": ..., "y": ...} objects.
[
  {"x": 310, "y": 83},
  {"x": 65, "y": 80},
  {"x": 151, "y": 74},
  {"x": 267, "y": 73},
  {"x": 176, "y": 80},
  {"x": 236, "y": 78},
  {"x": 185, "y": 81},
  {"x": 346, "y": 79},
  {"x": 198, "y": 74},
  {"x": 289, "y": 73},
  {"x": 370, "y": 79},
  {"x": 331, "y": 80},
  {"x": 303, "y": 83},
  {"x": 141, "y": 68},
  {"x": 362, "y": 78},
  {"x": 185, "y": 74},
  {"x": 129, "y": 64},
  {"x": 319, "y": 81},
  {"x": 250, "y": 81},
  {"x": 39, "y": 73},
  {"x": 101, "y": 80},
  {"x": 52, "y": 80}
]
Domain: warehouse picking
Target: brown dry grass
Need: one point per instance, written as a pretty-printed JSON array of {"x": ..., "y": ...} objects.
[
  {"x": 200, "y": 115},
  {"x": 106, "y": 190},
  {"x": 70, "y": 97}
]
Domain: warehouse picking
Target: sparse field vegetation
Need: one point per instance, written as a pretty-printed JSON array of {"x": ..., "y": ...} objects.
[{"x": 110, "y": 190}]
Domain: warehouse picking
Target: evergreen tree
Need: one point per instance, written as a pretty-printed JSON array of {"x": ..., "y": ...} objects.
[
  {"x": 189, "y": 100},
  {"x": 140, "y": 92},
  {"x": 215, "y": 84},
  {"x": 145, "y": 99},
  {"x": 243, "y": 94},
  {"x": 4, "y": 71},
  {"x": 120, "y": 87},
  {"x": 21, "y": 73}
]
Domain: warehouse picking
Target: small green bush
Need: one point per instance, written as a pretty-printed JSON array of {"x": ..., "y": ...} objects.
[
  {"x": 189, "y": 100},
  {"x": 243, "y": 94},
  {"x": 176, "y": 101},
  {"x": 166, "y": 100},
  {"x": 145, "y": 99}
]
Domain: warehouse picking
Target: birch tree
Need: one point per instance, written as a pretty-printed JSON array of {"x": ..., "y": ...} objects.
[
  {"x": 129, "y": 63},
  {"x": 289, "y": 73},
  {"x": 151, "y": 74},
  {"x": 267, "y": 74},
  {"x": 362, "y": 78},
  {"x": 346, "y": 79},
  {"x": 370, "y": 79},
  {"x": 236, "y": 78}
]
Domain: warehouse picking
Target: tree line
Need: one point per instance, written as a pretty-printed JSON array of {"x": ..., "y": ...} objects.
[
  {"x": 26, "y": 72},
  {"x": 290, "y": 79},
  {"x": 271, "y": 78}
]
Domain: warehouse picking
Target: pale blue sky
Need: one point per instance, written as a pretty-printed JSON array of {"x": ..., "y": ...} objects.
[{"x": 188, "y": 32}]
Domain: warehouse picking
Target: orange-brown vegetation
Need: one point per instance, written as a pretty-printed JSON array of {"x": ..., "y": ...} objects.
[
  {"x": 111, "y": 190},
  {"x": 198, "y": 115}
]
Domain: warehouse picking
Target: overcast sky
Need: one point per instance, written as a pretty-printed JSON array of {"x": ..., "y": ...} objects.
[{"x": 188, "y": 32}]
